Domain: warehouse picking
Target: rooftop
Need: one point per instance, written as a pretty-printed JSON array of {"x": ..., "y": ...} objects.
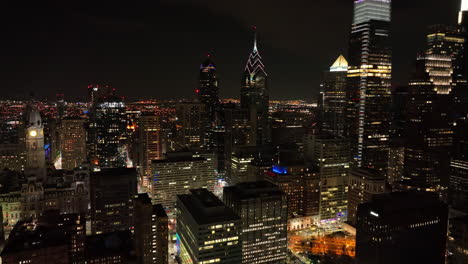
[{"x": 206, "y": 208}]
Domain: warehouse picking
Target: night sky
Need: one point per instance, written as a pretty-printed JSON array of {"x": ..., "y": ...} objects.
[{"x": 154, "y": 48}]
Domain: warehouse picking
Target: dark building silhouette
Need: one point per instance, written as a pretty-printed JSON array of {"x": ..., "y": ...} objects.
[
  {"x": 402, "y": 227},
  {"x": 112, "y": 193},
  {"x": 53, "y": 238},
  {"x": 110, "y": 248}
]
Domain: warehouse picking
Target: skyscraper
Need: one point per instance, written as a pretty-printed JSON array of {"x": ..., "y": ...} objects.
[
  {"x": 331, "y": 156},
  {"x": 72, "y": 138},
  {"x": 447, "y": 41},
  {"x": 429, "y": 131},
  {"x": 191, "y": 125},
  {"x": 151, "y": 231},
  {"x": 369, "y": 79},
  {"x": 402, "y": 227},
  {"x": 35, "y": 154},
  {"x": 255, "y": 95},
  {"x": 107, "y": 129},
  {"x": 149, "y": 145},
  {"x": 208, "y": 91},
  {"x": 208, "y": 230},
  {"x": 178, "y": 173},
  {"x": 112, "y": 193},
  {"x": 262, "y": 207},
  {"x": 334, "y": 98}
]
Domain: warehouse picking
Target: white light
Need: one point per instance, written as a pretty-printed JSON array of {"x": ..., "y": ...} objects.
[
  {"x": 33, "y": 133},
  {"x": 464, "y": 5},
  {"x": 374, "y": 213}
]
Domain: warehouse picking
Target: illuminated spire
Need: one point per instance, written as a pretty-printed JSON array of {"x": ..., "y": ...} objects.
[
  {"x": 255, "y": 50},
  {"x": 255, "y": 64},
  {"x": 340, "y": 64}
]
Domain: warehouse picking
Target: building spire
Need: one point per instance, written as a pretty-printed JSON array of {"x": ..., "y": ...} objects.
[{"x": 255, "y": 50}]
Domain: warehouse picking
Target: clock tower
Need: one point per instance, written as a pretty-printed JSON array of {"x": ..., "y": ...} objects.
[{"x": 35, "y": 154}]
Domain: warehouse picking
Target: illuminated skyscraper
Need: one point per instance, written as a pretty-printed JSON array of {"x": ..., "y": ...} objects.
[
  {"x": 334, "y": 98},
  {"x": 429, "y": 130},
  {"x": 369, "y": 79},
  {"x": 178, "y": 173},
  {"x": 151, "y": 231},
  {"x": 208, "y": 230},
  {"x": 35, "y": 154},
  {"x": 150, "y": 145},
  {"x": 72, "y": 138},
  {"x": 447, "y": 41},
  {"x": 107, "y": 129},
  {"x": 263, "y": 209},
  {"x": 255, "y": 95},
  {"x": 331, "y": 155}
]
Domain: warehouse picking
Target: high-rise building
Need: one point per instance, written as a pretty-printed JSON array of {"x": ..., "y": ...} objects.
[
  {"x": 334, "y": 98},
  {"x": 363, "y": 185},
  {"x": 72, "y": 138},
  {"x": 149, "y": 145},
  {"x": 209, "y": 231},
  {"x": 208, "y": 91},
  {"x": 107, "y": 130},
  {"x": 191, "y": 125},
  {"x": 429, "y": 132},
  {"x": 255, "y": 96},
  {"x": 151, "y": 231},
  {"x": 178, "y": 173},
  {"x": 331, "y": 156},
  {"x": 458, "y": 185},
  {"x": 369, "y": 79},
  {"x": 35, "y": 154},
  {"x": 112, "y": 194},
  {"x": 290, "y": 180},
  {"x": 262, "y": 207},
  {"x": 402, "y": 227},
  {"x": 447, "y": 41}
]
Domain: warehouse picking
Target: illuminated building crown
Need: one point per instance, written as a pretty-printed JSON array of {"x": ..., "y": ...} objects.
[{"x": 254, "y": 63}]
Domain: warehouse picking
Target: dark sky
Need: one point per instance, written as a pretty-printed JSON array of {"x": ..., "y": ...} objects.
[{"x": 154, "y": 48}]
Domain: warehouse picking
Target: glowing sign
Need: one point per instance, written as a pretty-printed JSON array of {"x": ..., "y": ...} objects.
[
  {"x": 279, "y": 170},
  {"x": 374, "y": 214}
]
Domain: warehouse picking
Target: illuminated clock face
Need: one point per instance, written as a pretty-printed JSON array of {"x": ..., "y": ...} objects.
[{"x": 33, "y": 133}]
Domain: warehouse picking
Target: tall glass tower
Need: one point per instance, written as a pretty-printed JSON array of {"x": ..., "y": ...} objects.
[
  {"x": 254, "y": 94},
  {"x": 369, "y": 80}
]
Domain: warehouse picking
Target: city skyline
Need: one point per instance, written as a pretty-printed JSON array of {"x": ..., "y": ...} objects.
[{"x": 136, "y": 48}]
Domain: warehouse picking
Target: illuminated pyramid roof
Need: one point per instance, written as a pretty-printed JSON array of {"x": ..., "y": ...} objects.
[
  {"x": 341, "y": 64},
  {"x": 255, "y": 64}
]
